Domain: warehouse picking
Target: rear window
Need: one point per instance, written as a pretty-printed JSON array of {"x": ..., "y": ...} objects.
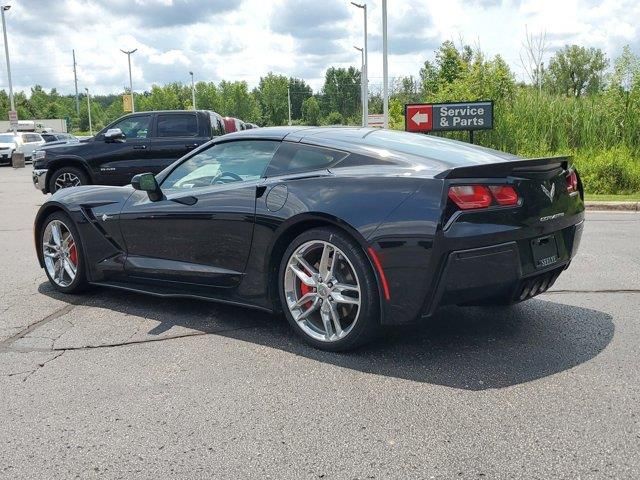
[
  {"x": 177, "y": 125},
  {"x": 435, "y": 148}
]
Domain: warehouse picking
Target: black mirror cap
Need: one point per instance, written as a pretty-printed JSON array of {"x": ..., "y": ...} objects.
[{"x": 146, "y": 182}]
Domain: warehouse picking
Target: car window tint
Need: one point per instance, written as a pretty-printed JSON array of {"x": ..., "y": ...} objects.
[
  {"x": 177, "y": 125},
  {"x": 295, "y": 158},
  {"x": 49, "y": 138},
  {"x": 135, "y": 127},
  {"x": 221, "y": 164}
]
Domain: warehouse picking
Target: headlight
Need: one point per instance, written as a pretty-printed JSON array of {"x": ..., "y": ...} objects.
[{"x": 39, "y": 155}]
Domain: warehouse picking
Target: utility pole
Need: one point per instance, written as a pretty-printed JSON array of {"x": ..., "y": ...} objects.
[
  {"x": 193, "y": 91},
  {"x": 385, "y": 67},
  {"x": 289, "y": 102},
  {"x": 365, "y": 72},
  {"x": 128, "y": 54},
  {"x": 6, "y": 52},
  {"x": 89, "y": 111},
  {"x": 75, "y": 79},
  {"x": 364, "y": 118}
]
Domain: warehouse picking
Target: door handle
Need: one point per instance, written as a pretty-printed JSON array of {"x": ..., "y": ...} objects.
[
  {"x": 192, "y": 145},
  {"x": 139, "y": 147}
]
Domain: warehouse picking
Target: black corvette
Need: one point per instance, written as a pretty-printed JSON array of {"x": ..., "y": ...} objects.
[{"x": 343, "y": 229}]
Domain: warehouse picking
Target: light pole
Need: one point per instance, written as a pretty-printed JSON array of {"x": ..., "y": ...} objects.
[
  {"x": 6, "y": 52},
  {"x": 128, "y": 54},
  {"x": 193, "y": 91},
  {"x": 289, "y": 101},
  {"x": 365, "y": 70},
  {"x": 364, "y": 118},
  {"x": 89, "y": 111},
  {"x": 385, "y": 67}
]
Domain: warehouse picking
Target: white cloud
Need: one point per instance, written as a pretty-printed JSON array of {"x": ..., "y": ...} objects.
[{"x": 243, "y": 40}]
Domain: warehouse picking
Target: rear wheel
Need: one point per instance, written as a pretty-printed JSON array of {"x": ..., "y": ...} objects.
[
  {"x": 328, "y": 291},
  {"x": 67, "y": 177},
  {"x": 62, "y": 252}
]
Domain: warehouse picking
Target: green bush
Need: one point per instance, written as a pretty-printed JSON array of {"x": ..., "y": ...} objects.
[{"x": 613, "y": 171}]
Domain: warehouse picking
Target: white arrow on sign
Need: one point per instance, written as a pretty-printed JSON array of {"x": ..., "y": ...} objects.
[{"x": 419, "y": 118}]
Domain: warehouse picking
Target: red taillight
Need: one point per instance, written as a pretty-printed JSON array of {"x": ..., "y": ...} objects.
[
  {"x": 470, "y": 196},
  {"x": 504, "y": 194},
  {"x": 572, "y": 181}
]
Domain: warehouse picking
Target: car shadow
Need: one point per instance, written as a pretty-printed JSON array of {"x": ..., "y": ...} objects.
[{"x": 468, "y": 348}]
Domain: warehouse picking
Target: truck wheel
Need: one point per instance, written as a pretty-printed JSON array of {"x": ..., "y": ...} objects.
[{"x": 67, "y": 177}]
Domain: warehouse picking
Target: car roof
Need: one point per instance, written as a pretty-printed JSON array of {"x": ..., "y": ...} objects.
[{"x": 381, "y": 143}]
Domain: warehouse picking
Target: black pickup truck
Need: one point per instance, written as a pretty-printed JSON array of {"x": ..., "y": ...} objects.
[{"x": 136, "y": 143}]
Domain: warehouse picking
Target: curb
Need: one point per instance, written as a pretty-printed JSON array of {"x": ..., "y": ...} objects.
[{"x": 613, "y": 206}]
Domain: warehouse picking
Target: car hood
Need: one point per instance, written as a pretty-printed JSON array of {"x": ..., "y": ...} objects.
[
  {"x": 75, "y": 148},
  {"x": 7, "y": 145}
]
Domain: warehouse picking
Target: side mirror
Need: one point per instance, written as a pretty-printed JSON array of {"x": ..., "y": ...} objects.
[
  {"x": 147, "y": 183},
  {"x": 114, "y": 135}
]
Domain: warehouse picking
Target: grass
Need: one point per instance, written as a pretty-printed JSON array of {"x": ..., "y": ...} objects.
[{"x": 592, "y": 197}]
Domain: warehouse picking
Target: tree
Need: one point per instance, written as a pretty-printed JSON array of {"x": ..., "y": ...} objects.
[
  {"x": 311, "y": 111},
  {"x": 341, "y": 92},
  {"x": 237, "y": 101},
  {"x": 300, "y": 91},
  {"x": 272, "y": 98},
  {"x": 428, "y": 79},
  {"x": 534, "y": 48},
  {"x": 449, "y": 61},
  {"x": 576, "y": 71}
]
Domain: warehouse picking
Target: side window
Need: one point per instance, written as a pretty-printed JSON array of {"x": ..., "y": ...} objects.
[
  {"x": 295, "y": 158},
  {"x": 135, "y": 127},
  {"x": 221, "y": 164},
  {"x": 177, "y": 125}
]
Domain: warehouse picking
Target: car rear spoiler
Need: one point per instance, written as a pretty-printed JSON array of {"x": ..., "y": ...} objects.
[{"x": 506, "y": 168}]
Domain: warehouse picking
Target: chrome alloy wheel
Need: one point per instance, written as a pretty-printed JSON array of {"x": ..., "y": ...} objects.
[
  {"x": 66, "y": 180},
  {"x": 322, "y": 291},
  {"x": 60, "y": 253}
]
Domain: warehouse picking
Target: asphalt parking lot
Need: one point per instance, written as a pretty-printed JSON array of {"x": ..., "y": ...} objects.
[{"x": 119, "y": 385}]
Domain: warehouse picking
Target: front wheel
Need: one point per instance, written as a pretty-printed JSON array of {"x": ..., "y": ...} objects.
[
  {"x": 66, "y": 177},
  {"x": 328, "y": 291},
  {"x": 61, "y": 249}
]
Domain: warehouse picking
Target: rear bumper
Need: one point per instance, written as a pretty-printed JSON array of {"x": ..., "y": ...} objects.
[
  {"x": 503, "y": 273},
  {"x": 39, "y": 177}
]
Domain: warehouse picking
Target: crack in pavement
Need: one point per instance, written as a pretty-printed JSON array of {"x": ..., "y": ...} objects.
[
  {"x": 150, "y": 340},
  {"x": 40, "y": 365},
  {"x": 52, "y": 316},
  {"x": 127, "y": 342}
]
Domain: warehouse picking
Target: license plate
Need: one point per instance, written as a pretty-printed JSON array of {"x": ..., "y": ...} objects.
[{"x": 545, "y": 251}]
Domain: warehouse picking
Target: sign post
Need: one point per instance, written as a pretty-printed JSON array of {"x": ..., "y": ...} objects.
[
  {"x": 13, "y": 120},
  {"x": 448, "y": 117}
]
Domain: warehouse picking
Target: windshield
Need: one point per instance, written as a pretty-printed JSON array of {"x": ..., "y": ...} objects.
[{"x": 7, "y": 139}]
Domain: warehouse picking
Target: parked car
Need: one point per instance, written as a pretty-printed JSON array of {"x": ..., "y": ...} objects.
[
  {"x": 232, "y": 124},
  {"x": 343, "y": 229},
  {"x": 135, "y": 143},
  {"x": 20, "y": 142},
  {"x": 8, "y": 144}
]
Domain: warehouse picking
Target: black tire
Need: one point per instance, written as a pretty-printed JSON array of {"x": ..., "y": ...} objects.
[
  {"x": 80, "y": 282},
  {"x": 75, "y": 171},
  {"x": 368, "y": 321}
]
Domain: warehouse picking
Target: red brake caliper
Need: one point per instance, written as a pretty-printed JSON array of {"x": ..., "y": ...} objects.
[
  {"x": 304, "y": 289},
  {"x": 73, "y": 254}
]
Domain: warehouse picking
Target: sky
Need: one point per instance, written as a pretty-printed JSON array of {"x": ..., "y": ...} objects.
[{"x": 246, "y": 39}]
